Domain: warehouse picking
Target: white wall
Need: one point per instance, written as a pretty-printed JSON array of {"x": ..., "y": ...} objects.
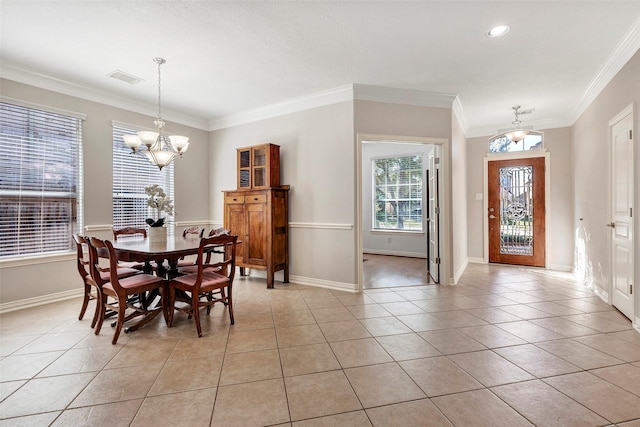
[
  {"x": 35, "y": 277},
  {"x": 591, "y": 175},
  {"x": 377, "y": 242},
  {"x": 560, "y": 210}
]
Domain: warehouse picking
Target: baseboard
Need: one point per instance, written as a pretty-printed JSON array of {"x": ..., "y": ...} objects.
[
  {"x": 560, "y": 267},
  {"x": 394, "y": 253},
  {"x": 458, "y": 274},
  {"x": 310, "y": 281},
  {"x": 476, "y": 260},
  {"x": 41, "y": 300}
]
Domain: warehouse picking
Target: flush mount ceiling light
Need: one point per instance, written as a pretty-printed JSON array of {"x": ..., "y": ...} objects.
[
  {"x": 160, "y": 150},
  {"x": 498, "y": 31}
]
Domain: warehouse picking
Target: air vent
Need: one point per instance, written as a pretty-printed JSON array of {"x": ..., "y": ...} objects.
[{"x": 127, "y": 78}]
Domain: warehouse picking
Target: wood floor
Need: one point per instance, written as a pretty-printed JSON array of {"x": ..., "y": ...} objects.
[{"x": 386, "y": 271}]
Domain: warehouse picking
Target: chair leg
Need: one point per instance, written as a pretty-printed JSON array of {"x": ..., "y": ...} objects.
[
  {"x": 102, "y": 304},
  {"x": 85, "y": 301},
  {"x": 122, "y": 306},
  {"x": 171, "y": 306},
  {"x": 96, "y": 314},
  {"x": 230, "y": 306},
  {"x": 195, "y": 302}
]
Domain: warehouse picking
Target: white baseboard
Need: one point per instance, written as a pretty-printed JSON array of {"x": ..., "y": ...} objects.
[
  {"x": 43, "y": 299},
  {"x": 476, "y": 260},
  {"x": 394, "y": 253},
  {"x": 458, "y": 274},
  {"x": 560, "y": 267},
  {"x": 309, "y": 281}
]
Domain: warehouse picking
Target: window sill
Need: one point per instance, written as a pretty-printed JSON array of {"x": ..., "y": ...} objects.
[
  {"x": 36, "y": 259},
  {"x": 407, "y": 232}
]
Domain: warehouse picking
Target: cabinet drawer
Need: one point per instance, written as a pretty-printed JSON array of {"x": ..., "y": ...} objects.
[
  {"x": 256, "y": 198},
  {"x": 234, "y": 199}
]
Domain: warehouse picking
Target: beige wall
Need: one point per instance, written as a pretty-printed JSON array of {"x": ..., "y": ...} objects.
[
  {"x": 560, "y": 210},
  {"x": 459, "y": 211},
  {"x": 317, "y": 161},
  {"x": 51, "y": 275},
  {"x": 428, "y": 122},
  {"x": 591, "y": 156}
]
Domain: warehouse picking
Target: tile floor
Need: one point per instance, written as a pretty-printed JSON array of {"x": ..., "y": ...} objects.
[{"x": 507, "y": 346}]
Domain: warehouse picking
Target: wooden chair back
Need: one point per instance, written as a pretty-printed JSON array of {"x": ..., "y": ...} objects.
[
  {"x": 196, "y": 231},
  {"x": 83, "y": 261},
  {"x": 224, "y": 244},
  {"x": 129, "y": 231}
]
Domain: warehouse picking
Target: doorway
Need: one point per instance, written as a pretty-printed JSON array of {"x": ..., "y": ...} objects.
[
  {"x": 516, "y": 211},
  {"x": 622, "y": 199},
  {"x": 408, "y": 243}
]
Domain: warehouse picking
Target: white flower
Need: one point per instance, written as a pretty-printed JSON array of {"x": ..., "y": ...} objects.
[{"x": 158, "y": 199}]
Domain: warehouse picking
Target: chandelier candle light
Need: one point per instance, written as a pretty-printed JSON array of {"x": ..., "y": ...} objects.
[{"x": 160, "y": 150}]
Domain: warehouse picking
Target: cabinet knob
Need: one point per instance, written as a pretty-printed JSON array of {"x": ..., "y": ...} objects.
[{"x": 255, "y": 198}]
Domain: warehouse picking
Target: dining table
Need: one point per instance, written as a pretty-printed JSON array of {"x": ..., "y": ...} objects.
[{"x": 164, "y": 254}]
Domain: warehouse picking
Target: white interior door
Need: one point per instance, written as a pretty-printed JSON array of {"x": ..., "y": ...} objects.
[
  {"x": 621, "y": 209},
  {"x": 433, "y": 219}
]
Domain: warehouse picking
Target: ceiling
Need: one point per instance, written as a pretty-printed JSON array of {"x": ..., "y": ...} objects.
[{"x": 225, "y": 58}]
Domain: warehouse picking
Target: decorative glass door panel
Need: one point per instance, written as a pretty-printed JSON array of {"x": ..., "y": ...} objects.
[{"x": 516, "y": 211}]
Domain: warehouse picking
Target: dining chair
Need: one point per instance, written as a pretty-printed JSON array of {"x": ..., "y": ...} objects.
[
  {"x": 130, "y": 232},
  {"x": 193, "y": 267},
  {"x": 190, "y": 232},
  {"x": 198, "y": 287},
  {"x": 122, "y": 289},
  {"x": 92, "y": 289}
]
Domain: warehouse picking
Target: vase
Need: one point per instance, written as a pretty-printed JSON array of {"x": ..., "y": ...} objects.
[{"x": 158, "y": 234}]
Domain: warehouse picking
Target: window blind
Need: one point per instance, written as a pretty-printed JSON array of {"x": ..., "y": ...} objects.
[
  {"x": 131, "y": 174},
  {"x": 397, "y": 187},
  {"x": 40, "y": 181}
]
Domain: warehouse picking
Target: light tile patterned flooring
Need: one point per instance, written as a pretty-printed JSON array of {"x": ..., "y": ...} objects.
[{"x": 507, "y": 346}]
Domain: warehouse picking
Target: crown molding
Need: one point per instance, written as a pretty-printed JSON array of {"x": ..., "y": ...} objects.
[
  {"x": 332, "y": 96},
  {"x": 459, "y": 112},
  {"x": 540, "y": 125},
  {"x": 293, "y": 105},
  {"x": 403, "y": 96},
  {"x": 626, "y": 48},
  {"x": 33, "y": 78}
]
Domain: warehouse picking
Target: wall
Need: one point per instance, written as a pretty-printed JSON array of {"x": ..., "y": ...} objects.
[
  {"x": 560, "y": 209},
  {"x": 591, "y": 157},
  {"x": 402, "y": 243},
  {"x": 458, "y": 199},
  {"x": 416, "y": 121},
  {"x": 317, "y": 161},
  {"x": 35, "y": 277}
]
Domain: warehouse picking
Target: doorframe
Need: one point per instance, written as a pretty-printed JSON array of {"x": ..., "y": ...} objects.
[
  {"x": 445, "y": 234},
  {"x": 628, "y": 110},
  {"x": 547, "y": 194}
]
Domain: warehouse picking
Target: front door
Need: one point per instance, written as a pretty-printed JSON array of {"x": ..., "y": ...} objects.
[
  {"x": 516, "y": 196},
  {"x": 621, "y": 209}
]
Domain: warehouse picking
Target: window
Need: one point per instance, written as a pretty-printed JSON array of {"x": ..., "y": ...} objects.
[
  {"x": 502, "y": 144},
  {"x": 131, "y": 174},
  {"x": 40, "y": 182},
  {"x": 397, "y": 198}
]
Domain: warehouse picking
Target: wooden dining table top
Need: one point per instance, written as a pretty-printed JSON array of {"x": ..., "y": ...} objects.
[{"x": 145, "y": 249}]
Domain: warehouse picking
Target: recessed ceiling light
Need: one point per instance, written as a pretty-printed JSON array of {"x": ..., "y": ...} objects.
[{"x": 498, "y": 31}]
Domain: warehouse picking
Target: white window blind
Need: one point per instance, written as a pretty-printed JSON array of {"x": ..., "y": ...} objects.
[
  {"x": 40, "y": 181},
  {"x": 131, "y": 174},
  {"x": 397, "y": 187}
]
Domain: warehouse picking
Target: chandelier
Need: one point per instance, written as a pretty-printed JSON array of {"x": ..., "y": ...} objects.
[
  {"x": 517, "y": 133},
  {"x": 158, "y": 148}
]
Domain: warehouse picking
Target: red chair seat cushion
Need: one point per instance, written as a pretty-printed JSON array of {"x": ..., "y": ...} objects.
[
  {"x": 210, "y": 280},
  {"x": 137, "y": 283}
]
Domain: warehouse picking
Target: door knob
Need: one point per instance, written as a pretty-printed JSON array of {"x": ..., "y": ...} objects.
[
  {"x": 492, "y": 217},
  {"x": 612, "y": 225}
]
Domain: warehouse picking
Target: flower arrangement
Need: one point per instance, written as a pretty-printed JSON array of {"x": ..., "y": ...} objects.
[{"x": 159, "y": 201}]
